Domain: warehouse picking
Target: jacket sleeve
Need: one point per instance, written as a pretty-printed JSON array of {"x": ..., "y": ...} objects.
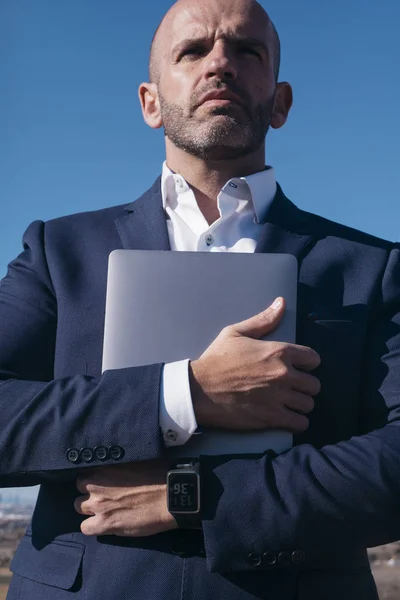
[
  {"x": 42, "y": 417},
  {"x": 342, "y": 496}
]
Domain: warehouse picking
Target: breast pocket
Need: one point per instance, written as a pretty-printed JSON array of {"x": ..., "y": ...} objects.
[
  {"x": 340, "y": 345},
  {"x": 52, "y": 572}
]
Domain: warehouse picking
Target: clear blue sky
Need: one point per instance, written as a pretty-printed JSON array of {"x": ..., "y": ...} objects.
[{"x": 72, "y": 136}]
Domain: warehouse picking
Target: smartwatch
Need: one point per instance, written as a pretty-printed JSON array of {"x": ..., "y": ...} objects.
[{"x": 183, "y": 493}]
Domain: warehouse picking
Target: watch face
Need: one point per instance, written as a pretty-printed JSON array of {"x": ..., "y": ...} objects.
[{"x": 183, "y": 492}]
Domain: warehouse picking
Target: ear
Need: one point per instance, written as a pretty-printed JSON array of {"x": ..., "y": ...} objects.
[
  {"x": 282, "y": 105},
  {"x": 148, "y": 96}
]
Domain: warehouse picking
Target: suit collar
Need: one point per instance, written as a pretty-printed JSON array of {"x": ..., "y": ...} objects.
[
  {"x": 286, "y": 229},
  {"x": 144, "y": 226}
]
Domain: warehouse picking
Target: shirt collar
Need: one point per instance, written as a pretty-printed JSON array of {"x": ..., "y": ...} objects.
[{"x": 260, "y": 186}]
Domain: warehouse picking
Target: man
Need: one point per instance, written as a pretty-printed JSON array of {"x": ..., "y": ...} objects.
[{"x": 293, "y": 526}]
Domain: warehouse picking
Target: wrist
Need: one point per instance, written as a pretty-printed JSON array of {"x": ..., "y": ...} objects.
[{"x": 202, "y": 405}]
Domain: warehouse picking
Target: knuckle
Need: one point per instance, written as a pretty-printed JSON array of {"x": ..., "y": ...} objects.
[
  {"x": 313, "y": 386},
  {"x": 94, "y": 503},
  {"x": 315, "y": 358},
  {"x": 227, "y": 331},
  {"x": 264, "y": 317},
  {"x": 81, "y": 484},
  {"x": 281, "y": 350},
  {"x": 309, "y": 403},
  {"x": 283, "y": 371},
  {"x": 317, "y": 387},
  {"x": 85, "y": 527}
]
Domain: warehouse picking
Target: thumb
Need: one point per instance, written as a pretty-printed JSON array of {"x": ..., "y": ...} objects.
[{"x": 261, "y": 324}]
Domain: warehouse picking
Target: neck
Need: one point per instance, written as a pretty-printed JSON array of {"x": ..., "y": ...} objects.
[{"x": 206, "y": 178}]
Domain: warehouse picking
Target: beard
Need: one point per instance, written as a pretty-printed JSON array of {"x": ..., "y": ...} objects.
[{"x": 223, "y": 133}]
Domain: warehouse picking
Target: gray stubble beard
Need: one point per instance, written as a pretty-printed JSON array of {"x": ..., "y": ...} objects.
[{"x": 227, "y": 140}]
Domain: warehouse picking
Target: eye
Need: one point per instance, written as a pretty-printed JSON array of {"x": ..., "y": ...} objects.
[
  {"x": 249, "y": 50},
  {"x": 192, "y": 51}
]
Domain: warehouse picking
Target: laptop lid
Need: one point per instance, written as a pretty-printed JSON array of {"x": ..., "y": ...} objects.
[{"x": 166, "y": 306}]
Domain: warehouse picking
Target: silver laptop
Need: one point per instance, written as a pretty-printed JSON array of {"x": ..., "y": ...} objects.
[{"x": 166, "y": 306}]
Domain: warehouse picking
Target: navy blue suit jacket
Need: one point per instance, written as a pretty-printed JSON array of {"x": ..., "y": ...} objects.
[{"x": 293, "y": 526}]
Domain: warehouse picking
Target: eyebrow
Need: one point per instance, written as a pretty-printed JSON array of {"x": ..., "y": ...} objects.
[{"x": 235, "y": 39}]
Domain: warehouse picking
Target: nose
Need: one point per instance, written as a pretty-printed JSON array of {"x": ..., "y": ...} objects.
[{"x": 221, "y": 63}]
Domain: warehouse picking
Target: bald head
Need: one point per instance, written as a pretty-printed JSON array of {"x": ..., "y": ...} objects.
[{"x": 161, "y": 34}]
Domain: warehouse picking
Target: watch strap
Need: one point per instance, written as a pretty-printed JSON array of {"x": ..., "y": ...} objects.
[{"x": 188, "y": 521}]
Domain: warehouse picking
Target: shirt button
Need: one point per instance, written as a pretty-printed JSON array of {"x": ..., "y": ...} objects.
[
  {"x": 209, "y": 240},
  {"x": 171, "y": 436},
  {"x": 179, "y": 182}
]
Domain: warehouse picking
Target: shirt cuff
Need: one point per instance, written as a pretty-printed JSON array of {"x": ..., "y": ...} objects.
[{"x": 177, "y": 418}]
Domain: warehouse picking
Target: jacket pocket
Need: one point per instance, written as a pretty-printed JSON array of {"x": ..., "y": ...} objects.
[{"x": 57, "y": 564}]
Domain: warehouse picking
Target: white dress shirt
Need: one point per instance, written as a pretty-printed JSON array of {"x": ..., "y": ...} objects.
[{"x": 243, "y": 204}]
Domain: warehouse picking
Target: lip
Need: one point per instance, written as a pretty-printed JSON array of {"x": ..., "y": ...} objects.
[{"x": 221, "y": 97}]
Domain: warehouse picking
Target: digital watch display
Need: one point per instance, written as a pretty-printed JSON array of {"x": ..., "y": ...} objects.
[{"x": 183, "y": 492}]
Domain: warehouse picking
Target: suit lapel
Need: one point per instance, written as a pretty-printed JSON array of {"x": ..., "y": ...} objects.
[
  {"x": 289, "y": 231},
  {"x": 285, "y": 231},
  {"x": 144, "y": 226}
]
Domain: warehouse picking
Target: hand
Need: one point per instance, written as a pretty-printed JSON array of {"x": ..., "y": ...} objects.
[
  {"x": 244, "y": 383},
  {"x": 125, "y": 500}
]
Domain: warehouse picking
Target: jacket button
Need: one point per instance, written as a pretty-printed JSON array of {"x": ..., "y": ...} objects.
[
  {"x": 86, "y": 454},
  {"x": 73, "y": 455},
  {"x": 283, "y": 559},
  {"x": 298, "y": 557},
  {"x": 269, "y": 559},
  {"x": 312, "y": 316},
  {"x": 116, "y": 452},
  {"x": 254, "y": 559},
  {"x": 101, "y": 453}
]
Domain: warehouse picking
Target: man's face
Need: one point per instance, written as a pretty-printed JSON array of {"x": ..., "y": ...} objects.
[{"x": 224, "y": 49}]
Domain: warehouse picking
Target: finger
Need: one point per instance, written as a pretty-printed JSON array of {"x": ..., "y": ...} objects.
[
  {"x": 303, "y": 358},
  {"x": 261, "y": 324},
  {"x": 294, "y": 423},
  {"x": 305, "y": 383},
  {"x": 93, "y": 526},
  {"x": 82, "y": 485},
  {"x": 82, "y": 505},
  {"x": 301, "y": 403}
]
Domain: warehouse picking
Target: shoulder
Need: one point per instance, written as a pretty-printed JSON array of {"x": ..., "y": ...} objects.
[
  {"x": 324, "y": 227},
  {"x": 306, "y": 223},
  {"x": 104, "y": 216}
]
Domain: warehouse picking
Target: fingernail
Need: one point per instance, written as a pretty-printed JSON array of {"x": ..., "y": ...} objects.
[{"x": 277, "y": 304}]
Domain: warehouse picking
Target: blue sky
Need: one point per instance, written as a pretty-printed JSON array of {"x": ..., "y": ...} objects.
[{"x": 72, "y": 136}]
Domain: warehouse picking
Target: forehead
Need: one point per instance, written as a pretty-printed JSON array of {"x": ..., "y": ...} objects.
[{"x": 205, "y": 18}]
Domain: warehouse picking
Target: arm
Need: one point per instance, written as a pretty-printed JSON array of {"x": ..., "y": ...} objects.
[
  {"x": 345, "y": 495},
  {"x": 41, "y": 418}
]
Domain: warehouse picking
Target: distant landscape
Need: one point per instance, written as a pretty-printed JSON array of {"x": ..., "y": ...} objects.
[{"x": 16, "y": 508}]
